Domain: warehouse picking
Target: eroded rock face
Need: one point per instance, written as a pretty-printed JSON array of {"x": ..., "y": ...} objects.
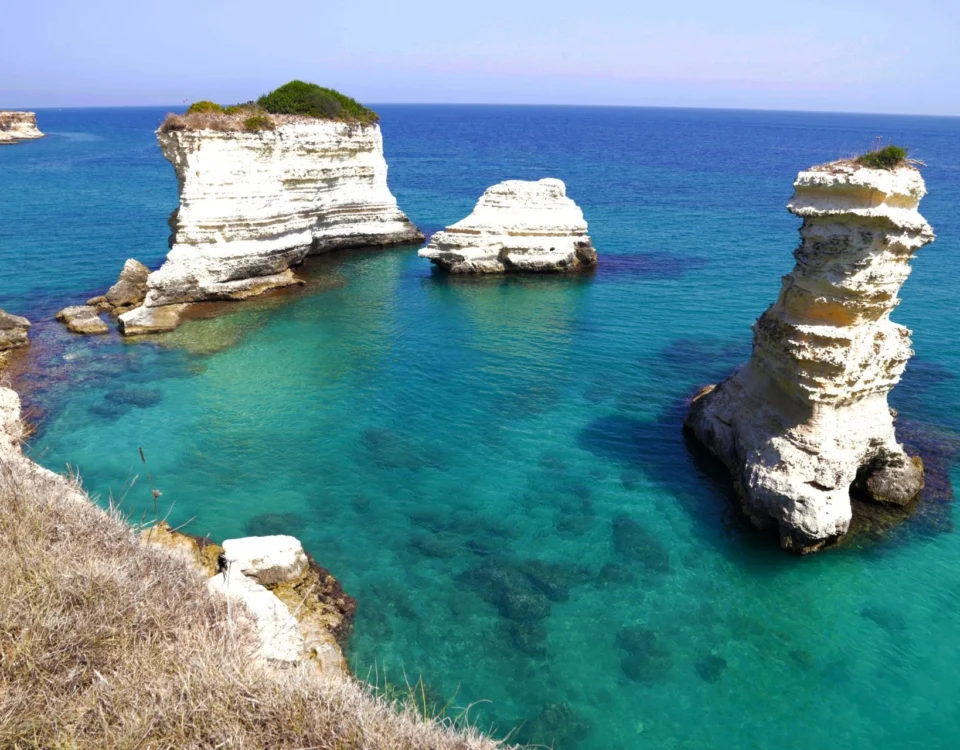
[
  {"x": 516, "y": 226},
  {"x": 254, "y": 204},
  {"x": 809, "y": 410},
  {"x": 82, "y": 319},
  {"x": 129, "y": 291},
  {"x": 13, "y": 331},
  {"x": 18, "y": 126},
  {"x": 280, "y": 636}
]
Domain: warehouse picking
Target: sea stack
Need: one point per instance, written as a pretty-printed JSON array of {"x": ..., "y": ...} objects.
[
  {"x": 18, "y": 126},
  {"x": 807, "y": 416},
  {"x": 516, "y": 226},
  {"x": 258, "y": 192}
]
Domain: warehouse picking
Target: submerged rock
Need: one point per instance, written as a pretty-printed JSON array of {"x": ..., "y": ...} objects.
[
  {"x": 647, "y": 661},
  {"x": 13, "y": 331},
  {"x": 558, "y": 726},
  {"x": 82, "y": 319},
  {"x": 129, "y": 291},
  {"x": 634, "y": 543},
  {"x": 516, "y": 226},
  {"x": 254, "y": 204},
  {"x": 808, "y": 412}
]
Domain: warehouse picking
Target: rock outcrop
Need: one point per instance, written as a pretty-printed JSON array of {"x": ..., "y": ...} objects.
[
  {"x": 82, "y": 319},
  {"x": 807, "y": 416},
  {"x": 254, "y": 204},
  {"x": 516, "y": 226},
  {"x": 128, "y": 293},
  {"x": 13, "y": 331},
  {"x": 299, "y": 610},
  {"x": 18, "y": 126}
]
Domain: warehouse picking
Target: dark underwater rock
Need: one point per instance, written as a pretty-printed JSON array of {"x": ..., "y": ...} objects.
[
  {"x": 647, "y": 660},
  {"x": 557, "y": 726},
  {"x": 710, "y": 668},
  {"x": 502, "y": 584},
  {"x": 528, "y": 638},
  {"x": 635, "y": 543},
  {"x": 142, "y": 398},
  {"x": 435, "y": 546},
  {"x": 269, "y": 524}
]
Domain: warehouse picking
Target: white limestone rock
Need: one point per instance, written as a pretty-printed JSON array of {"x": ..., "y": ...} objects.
[
  {"x": 808, "y": 411},
  {"x": 280, "y": 636},
  {"x": 253, "y": 204},
  {"x": 267, "y": 559},
  {"x": 18, "y": 126},
  {"x": 82, "y": 319},
  {"x": 516, "y": 226}
]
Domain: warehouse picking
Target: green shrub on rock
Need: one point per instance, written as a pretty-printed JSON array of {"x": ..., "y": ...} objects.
[
  {"x": 889, "y": 157},
  {"x": 203, "y": 107},
  {"x": 256, "y": 123},
  {"x": 311, "y": 100}
]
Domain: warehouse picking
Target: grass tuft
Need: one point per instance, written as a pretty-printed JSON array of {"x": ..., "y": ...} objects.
[{"x": 888, "y": 157}]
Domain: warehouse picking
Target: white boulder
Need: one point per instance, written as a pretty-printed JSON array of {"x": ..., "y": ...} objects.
[{"x": 269, "y": 560}]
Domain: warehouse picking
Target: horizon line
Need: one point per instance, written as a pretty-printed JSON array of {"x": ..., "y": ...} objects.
[{"x": 514, "y": 104}]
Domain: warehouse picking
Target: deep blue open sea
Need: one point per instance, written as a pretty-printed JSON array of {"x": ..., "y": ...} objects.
[{"x": 495, "y": 468}]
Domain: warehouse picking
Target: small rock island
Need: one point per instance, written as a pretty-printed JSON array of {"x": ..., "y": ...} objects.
[
  {"x": 516, "y": 226},
  {"x": 18, "y": 126},
  {"x": 262, "y": 185},
  {"x": 807, "y": 417}
]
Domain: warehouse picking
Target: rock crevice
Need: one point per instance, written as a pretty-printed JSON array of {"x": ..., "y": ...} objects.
[{"x": 807, "y": 415}]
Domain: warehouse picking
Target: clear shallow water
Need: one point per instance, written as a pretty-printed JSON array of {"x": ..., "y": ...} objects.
[{"x": 427, "y": 437}]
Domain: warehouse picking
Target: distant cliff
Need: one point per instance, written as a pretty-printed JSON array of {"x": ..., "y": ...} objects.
[
  {"x": 254, "y": 202},
  {"x": 807, "y": 417},
  {"x": 18, "y": 126}
]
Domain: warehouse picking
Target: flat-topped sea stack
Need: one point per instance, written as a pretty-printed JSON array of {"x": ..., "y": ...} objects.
[
  {"x": 516, "y": 226},
  {"x": 262, "y": 186},
  {"x": 805, "y": 422},
  {"x": 18, "y": 126}
]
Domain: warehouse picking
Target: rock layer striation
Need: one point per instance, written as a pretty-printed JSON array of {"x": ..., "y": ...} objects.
[
  {"x": 516, "y": 226},
  {"x": 18, "y": 126},
  {"x": 253, "y": 204},
  {"x": 806, "y": 417}
]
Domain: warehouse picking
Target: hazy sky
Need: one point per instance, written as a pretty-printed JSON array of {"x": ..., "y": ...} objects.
[{"x": 846, "y": 55}]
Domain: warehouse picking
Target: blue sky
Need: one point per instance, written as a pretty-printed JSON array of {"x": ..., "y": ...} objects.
[{"x": 844, "y": 55}]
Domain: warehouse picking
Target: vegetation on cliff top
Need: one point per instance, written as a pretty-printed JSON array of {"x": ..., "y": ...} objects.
[
  {"x": 296, "y": 98},
  {"x": 888, "y": 157},
  {"x": 110, "y": 642}
]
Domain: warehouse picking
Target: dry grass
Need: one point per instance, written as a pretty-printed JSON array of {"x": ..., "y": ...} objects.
[{"x": 108, "y": 643}]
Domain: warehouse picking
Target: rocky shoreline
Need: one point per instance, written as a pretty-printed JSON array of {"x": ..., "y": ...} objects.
[{"x": 297, "y": 608}]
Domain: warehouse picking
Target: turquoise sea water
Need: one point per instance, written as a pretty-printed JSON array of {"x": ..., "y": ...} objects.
[{"x": 494, "y": 468}]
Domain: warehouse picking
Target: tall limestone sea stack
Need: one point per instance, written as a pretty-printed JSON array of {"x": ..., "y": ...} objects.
[
  {"x": 261, "y": 187},
  {"x": 516, "y": 226},
  {"x": 18, "y": 126},
  {"x": 807, "y": 416}
]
